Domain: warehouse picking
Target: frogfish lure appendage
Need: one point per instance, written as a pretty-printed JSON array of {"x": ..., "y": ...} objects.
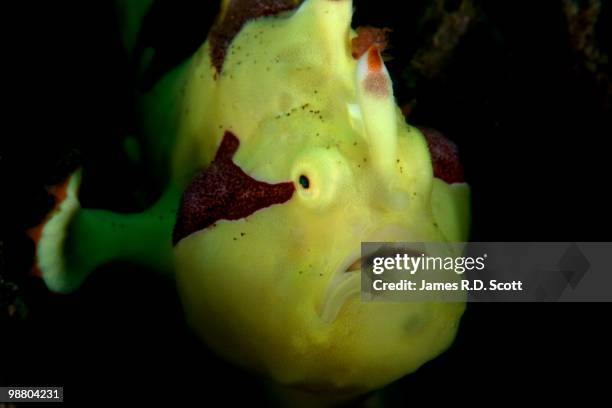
[
  {"x": 375, "y": 96},
  {"x": 281, "y": 148}
]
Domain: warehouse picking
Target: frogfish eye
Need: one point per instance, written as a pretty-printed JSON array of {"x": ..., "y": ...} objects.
[{"x": 304, "y": 182}]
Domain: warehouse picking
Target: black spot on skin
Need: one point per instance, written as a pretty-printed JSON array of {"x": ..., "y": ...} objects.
[{"x": 224, "y": 191}]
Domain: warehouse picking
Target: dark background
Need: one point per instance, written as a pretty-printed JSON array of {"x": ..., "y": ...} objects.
[{"x": 533, "y": 126}]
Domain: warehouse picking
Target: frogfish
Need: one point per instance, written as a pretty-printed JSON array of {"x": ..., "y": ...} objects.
[{"x": 281, "y": 148}]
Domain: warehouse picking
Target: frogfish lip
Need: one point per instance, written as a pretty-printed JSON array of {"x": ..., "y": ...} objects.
[
  {"x": 346, "y": 280},
  {"x": 355, "y": 266},
  {"x": 344, "y": 284}
]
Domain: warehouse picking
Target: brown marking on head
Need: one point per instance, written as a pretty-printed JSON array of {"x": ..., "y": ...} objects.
[
  {"x": 444, "y": 156},
  {"x": 237, "y": 14},
  {"x": 224, "y": 191}
]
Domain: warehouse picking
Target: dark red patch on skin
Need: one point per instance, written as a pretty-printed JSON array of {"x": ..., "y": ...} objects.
[
  {"x": 444, "y": 156},
  {"x": 368, "y": 37},
  {"x": 238, "y": 13},
  {"x": 224, "y": 192}
]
